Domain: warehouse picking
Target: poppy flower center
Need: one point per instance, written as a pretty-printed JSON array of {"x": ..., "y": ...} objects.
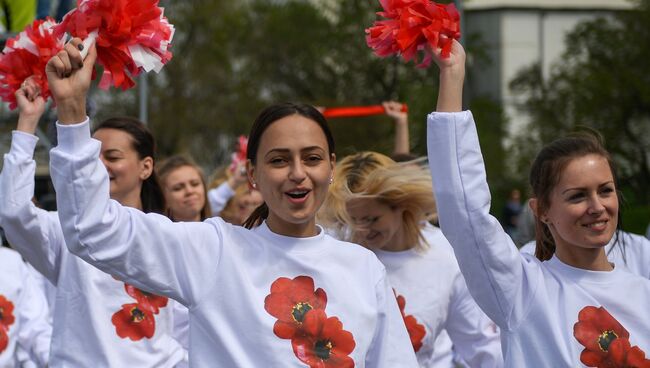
[
  {"x": 322, "y": 349},
  {"x": 299, "y": 310},
  {"x": 605, "y": 339},
  {"x": 137, "y": 315}
]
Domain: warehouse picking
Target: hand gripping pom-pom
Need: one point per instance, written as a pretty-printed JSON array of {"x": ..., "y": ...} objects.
[
  {"x": 131, "y": 36},
  {"x": 25, "y": 56},
  {"x": 412, "y": 27}
]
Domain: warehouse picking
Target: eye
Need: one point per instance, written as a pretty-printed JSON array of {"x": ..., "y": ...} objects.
[
  {"x": 607, "y": 191},
  {"x": 313, "y": 159},
  {"x": 278, "y": 161},
  {"x": 576, "y": 197}
]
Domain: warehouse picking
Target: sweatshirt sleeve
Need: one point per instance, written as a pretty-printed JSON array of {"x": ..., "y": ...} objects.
[
  {"x": 33, "y": 232},
  {"x": 501, "y": 281},
  {"x": 35, "y": 334},
  {"x": 219, "y": 197},
  {"x": 391, "y": 346},
  {"x": 146, "y": 250},
  {"x": 476, "y": 339}
]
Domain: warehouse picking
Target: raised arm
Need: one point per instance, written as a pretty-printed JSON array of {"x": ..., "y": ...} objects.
[
  {"x": 146, "y": 250},
  {"x": 35, "y": 233},
  {"x": 401, "y": 119},
  {"x": 487, "y": 257}
]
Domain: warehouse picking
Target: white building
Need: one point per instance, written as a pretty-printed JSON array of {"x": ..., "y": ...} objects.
[{"x": 520, "y": 33}]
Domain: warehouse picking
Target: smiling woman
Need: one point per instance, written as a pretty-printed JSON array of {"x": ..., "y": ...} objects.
[{"x": 280, "y": 293}]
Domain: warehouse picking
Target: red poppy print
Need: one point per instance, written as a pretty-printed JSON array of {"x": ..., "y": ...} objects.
[
  {"x": 6, "y": 319},
  {"x": 324, "y": 343},
  {"x": 148, "y": 301},
  {"x": 606, "y": 341},
  {"x": 134, "y": 322},
  {"x": 6, "y": 312},
  {"x": 416, "y": 331},
  {"x": 289, "y": 302}
]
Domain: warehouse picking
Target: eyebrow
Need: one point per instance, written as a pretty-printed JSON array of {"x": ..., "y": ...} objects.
[
  {"x": 582, "y": 188},
  {"x": 112, "y": 150},
  {"x": 286, "y": 150}
]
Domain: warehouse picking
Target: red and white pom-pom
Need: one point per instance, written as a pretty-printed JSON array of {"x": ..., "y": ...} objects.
[
  {"x": 25, "y": 56},
  {"x": 132, "y": 35},
  {"x": 239, "y": 157},
  {"x": 414, "y": 26}
]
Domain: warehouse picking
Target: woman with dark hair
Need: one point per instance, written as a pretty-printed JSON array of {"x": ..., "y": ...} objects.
[
  {"x": 98, "y": 320},
  {"x": 278, "y": 293},
  {"x": 185, "y": 190},
  {"x": 569, "y": 306}
]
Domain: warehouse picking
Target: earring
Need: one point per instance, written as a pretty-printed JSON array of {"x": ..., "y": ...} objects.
[
  {"x": 254, "y": 185},
  {"x": 331, "y": 180}
]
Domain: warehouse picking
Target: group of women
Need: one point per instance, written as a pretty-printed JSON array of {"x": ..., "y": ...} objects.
[{"x": 338, "y": 266}]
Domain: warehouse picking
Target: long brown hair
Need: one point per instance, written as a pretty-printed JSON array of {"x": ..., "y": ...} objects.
[{"x": 545, "y": 174}]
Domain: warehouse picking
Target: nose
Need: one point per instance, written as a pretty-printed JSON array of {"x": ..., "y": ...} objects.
[
  {"x": 297, "y": 172},
  {"x": 596, "y": 206}
]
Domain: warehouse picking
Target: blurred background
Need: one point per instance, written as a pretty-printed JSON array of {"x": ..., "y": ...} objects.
[{"x": 536, "y": 70}]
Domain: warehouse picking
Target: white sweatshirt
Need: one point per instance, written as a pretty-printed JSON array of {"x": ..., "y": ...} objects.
[
  {"x": 218, "y": 197},
  {"x": 537, "y": 305},
  {"x": 632, "y": 253},
  {"x": 436, "y": 296},
  {"x": 24, "y": 315},
  {"x": 85, "y": 333},
  {"x": 256, "y": 298}
]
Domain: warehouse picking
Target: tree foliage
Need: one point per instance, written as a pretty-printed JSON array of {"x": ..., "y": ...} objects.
[
  {"x": 232, "y": 58},
  {"x": 602, "y": 82}
]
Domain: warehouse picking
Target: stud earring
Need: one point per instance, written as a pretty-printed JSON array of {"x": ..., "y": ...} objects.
[
  {"x": 331, "y": 180},
  {"x": 254, "y": 185}
]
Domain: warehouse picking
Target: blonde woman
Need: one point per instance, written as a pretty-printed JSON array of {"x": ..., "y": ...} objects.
[{"x": 384, "y": 206}]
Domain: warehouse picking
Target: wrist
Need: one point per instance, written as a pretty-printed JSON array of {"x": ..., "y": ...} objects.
[
  {"x": 27, "y": 124},
  {"x": 71, "y": 111}
]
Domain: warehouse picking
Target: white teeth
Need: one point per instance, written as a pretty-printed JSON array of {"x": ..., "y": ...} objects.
[{"x": 596, "y": 224}]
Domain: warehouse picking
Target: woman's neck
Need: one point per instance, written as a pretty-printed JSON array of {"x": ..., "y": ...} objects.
[
  {"x": 296, "y": 230},
  {"x": 132, "y": 200},
  {"x": 592, "y": 259}
]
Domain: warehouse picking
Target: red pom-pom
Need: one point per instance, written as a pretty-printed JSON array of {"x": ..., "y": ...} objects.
[
  {"x": 133, "y": 35},
  {"x": 25, "y": 56},
  {"x": 414, "y": 26},
  {"x": 239, "y": 156}
]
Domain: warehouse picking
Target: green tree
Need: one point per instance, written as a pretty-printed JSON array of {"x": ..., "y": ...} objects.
[{"x": 602, "y": 82}]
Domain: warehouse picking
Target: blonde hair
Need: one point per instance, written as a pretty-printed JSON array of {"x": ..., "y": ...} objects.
[{"x": 371, "y": 175}]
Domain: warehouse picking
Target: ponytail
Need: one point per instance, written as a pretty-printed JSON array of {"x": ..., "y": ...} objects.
[{"x": 258, "y": 216}]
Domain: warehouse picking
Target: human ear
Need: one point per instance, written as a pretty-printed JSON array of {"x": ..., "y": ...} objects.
[
  {"x": 146, "y": 168},
  {"x": 250, "y": 173},
  {"x": 332, "y": 166},
  {"x": 533, "y": 204}
]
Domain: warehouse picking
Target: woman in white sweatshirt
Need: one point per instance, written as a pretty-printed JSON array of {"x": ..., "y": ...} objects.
[
  {"x": 97, "y": 320},
  {"x": 279, "y": 294},
  {"x": 386, "y": 205},
  {"x": 571, "y": 307}
]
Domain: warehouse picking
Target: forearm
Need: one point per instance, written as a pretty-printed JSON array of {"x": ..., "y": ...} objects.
[
  {"x": 487, "y": 257},
  {"x": 402, "y": 144},
  {"x": 146, "y": 250},
  {"x": 450, "y": 94}
]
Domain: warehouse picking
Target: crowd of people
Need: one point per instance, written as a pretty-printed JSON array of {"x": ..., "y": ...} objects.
[{"x": 295, "y": 257}]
